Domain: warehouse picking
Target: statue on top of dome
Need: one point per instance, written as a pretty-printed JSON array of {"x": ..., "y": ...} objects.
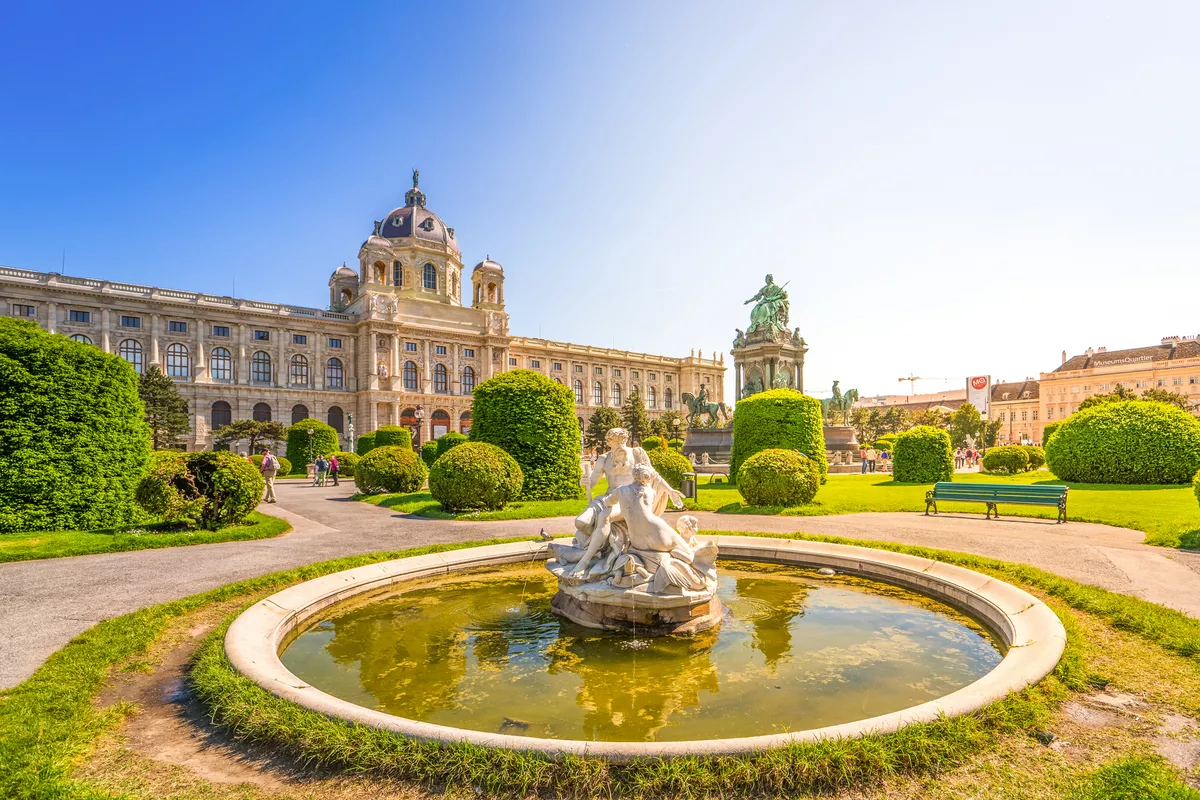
[
  {"x": 770, "y": 312},
  {"x": 416, "y": 177}
]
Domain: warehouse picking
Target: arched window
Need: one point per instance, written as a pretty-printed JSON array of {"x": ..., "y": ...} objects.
[
  {"x": 410, "y": 376},
  {"x": 616, "y": 394},
  {"x": 380, "y": 272},
  {"x": 430, "y": 277},
  {"x": 579, "y": 392},
  {"x": 220, "y": 365},
  {"x": 667, "y": 399},
  {"x": 491, "y": 293},
  {"x": 260, "y": 368},
  {"x": 464, "y": 422},
  {"x": 222, "y": 414},
  {"x": 597, "y": 394},
  {"x": 652, "y": 398},
  {"x": 335, "y": 377},
  {"x": 334, "y": 417},
  {"x": 179, "y": 363},
  {"x": 397, "y": 273},
  {"x": 440, "y": 421},
  {"x": 262, "y": 412},
  {"x": 298, "y": 371},
  {"x": 468, "y": 380},
  {"x": 131, "y": 351},
  {"x": 299, "y": 414},
  {"x": 441, "y": 379},
  {"x": 79, "y": 337}
]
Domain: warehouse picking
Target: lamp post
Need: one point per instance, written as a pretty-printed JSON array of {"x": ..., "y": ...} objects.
[
  {"x": 350, "y": 435},
  {"x": 310, "y": 435},
  {"x": 675, "y": 425}
]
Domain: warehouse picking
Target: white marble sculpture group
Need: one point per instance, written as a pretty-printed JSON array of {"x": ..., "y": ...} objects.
[{"x": 627, "y": 565}]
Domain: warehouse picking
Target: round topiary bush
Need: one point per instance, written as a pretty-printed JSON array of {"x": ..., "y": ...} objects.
[
  {"x": 1037, "y": 456},
  {"x": 670, "y": 465},
  {"x": 1126, "y": 441},
  {"x": 777, "y": 477},
  {"x": 884, "y": 444},
  {"x": 393, "y": 436},
  {"x": 780, "y": 419},
  {"x": 389, "y": 469},
  {"x": 429, "y": 453},
  {"x": 475, "y": 475},
  {"x": 676, "y": 445},
  {"x": 532, "y": 418},
  {"x": 73, "y": 435},
  {"x": 346, "y": 464},
  {"x": 324, "y": 442},
  {"x": 1009, "y": 458},
  {"x": 653, "y": 443},
  {"x": 1048, "y": 431},
  {"x": 213, "y": 490},
  {"x": 366, "y": 443},
  {"x": 922, "y": 455},
  {"x": 285, "y": 466},
  {"x": 1196, "y": 486},
  {"x": 448, "y": 440}
]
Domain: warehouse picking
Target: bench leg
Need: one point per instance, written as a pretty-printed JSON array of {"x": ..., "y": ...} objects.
[{"x": 1062, "y": 513}]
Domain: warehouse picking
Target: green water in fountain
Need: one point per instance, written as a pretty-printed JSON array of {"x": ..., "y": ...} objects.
[{"x": 796, "y": 650}]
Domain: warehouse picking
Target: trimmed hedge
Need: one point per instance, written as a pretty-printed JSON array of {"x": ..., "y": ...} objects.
[
  {"x": 884, "y": 444},
  {"x": 475, "y": 475},
  {"x": 74, "y": 442},
  {"x": 1048, "y": 431},
  {"x": 285, "y": 466},
  {"x": 1009, "y": 458},
  {"x": 653, "y": 443},
  {"x": 676, "y": 445},
  {"x": 1196, "y": 486},
  {"x": 365, "y": 443},
  {"x": 448, "y": 440},
  {"x": 532, "y": 418},
  {"x": 776, "y": 477},
  {"x": 429, "y": 453},
  {"x": 324, "y": 441},
  {"x": 212, "y": 489},
  {"x": 389, "y": 469},
  {"x": 923, "y": 455},
  {"x": 1037, "y": 455},
  {"x": 1126, "y": 441},
  {"x": 778, "y": 419},
  {"x": 393, "y": 436},
  {"x": 670, "y": 465},
  {"x": 346, "y": 464}
]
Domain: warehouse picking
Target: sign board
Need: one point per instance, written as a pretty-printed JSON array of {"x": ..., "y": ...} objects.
[
  {"x": 440, "y": 430},
  {"x": 979, "y": 392}
]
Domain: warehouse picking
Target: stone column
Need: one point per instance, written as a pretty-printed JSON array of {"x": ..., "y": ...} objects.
[
  {"x": 200, "y": 374},
  {"x": 373, "y": 414},
  {"x": 396, "y": 413},
  {"x": 318, "y": 376},
  {"x": 455, "y": 386},
  {"x": 51, "y": 317},
  {"x": 372, "y": 350},
  {"x": 282, "y": 372},
  {"x": 105, "y": 331},
  {"x": 154, "y": 359},
  {"x": 395, "y": 357},
  {"x": 426, "y": 387},
  {"x": 243, "y": 363},
  {"x": 737, "y": 380},
  {"x": 488, "y": 367},
  {"x": 799, "y": 382}
]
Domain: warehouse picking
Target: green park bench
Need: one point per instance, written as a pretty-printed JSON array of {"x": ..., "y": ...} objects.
[{"x": 993, "y": 493}]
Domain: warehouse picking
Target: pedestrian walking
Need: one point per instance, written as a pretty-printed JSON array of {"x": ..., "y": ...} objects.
[
  {"x": 269, "y": 468},
  {"x": 862, "y": 456},
  {"x": 319, "y": 475},
  {"x": 871, "y": 457},
  {"x": 334, "y": 466}
]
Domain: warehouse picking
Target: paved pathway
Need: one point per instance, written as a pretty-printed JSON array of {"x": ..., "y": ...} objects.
[{"x": 43, "y": 604}]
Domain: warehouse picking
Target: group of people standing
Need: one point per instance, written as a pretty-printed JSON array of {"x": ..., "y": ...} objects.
[
  {"x": 326, "y": 468},
  {"x": 966, "y": 457},
  {"x": 871, "y": 457}
]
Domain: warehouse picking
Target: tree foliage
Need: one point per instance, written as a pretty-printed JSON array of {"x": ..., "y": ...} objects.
[
  {"x": 366, "y": 443},
  {"x": 212, "y": 490},
  {"x": 73, "y": 435},
  {"x": 475, "y": 475},
  {"x": 664, "y": 424},
  {"x": 324, "y": 441},
  {"x": 1120, "y": 393},
  {"x": 923, "y": 455},
  {"x": 166, "y": 410},
  {"x": 779, "y": 478},
  {"x": 601, "y": 421},
  {"x": 1126, "y": 441},
  {"x": 634, "y": 418},
  {"x": 1009, "y": 458},
  {"x": 965, "y": 424},
  {"x": 447, "y": 440},
  {"x": 778, "y": 418},
  {"x": 391, "y": 436},
  {"x": 670, "y": 465},
  {"x": 389, "y": 469},
  {"x": 257, "y": 434}
]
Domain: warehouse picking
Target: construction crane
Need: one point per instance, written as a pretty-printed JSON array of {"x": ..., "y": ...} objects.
[{"x": 914, "y": 378}]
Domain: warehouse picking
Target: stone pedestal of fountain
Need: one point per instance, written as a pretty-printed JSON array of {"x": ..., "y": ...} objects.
[{"x": 602, "y": 605}]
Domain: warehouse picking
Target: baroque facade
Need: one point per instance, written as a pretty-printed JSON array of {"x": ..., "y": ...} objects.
[{"x": 397, "y": 344}]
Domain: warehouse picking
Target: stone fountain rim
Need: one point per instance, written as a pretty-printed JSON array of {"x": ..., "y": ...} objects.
[{"x": 1032, "y": 633}]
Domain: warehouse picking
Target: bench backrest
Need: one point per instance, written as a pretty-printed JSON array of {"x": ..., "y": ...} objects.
[{"x": 998, "y": 491}]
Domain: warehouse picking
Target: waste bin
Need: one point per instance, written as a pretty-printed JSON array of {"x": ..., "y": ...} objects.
[{"x": 688, "y": 487}]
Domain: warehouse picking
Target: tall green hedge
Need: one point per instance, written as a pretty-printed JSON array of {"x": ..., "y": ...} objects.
[
  {"x": 448, "y": 440},
  {"x": 73, "y": 435},
  {"x": 366, "y": 443},
  {"x": 324, "y": 441},
  {"x": 670, "y": 465},
  {"x": 923, "y": 455},
  {"x": 393, "y": 436},
  {"x": 778, "y": 419},
  {"x": 532, "y": 418},
  {"x": 1049, "y": 430},
  {"x": 1126, "y": 441}
]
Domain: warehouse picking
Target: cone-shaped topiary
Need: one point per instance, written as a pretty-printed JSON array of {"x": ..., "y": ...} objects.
[
  {"x": 475, "y": 475},
  {"x": 73, "y": 435},
  {"x": 448, "y": 440},
  {"x": 670, "y": 465},
  {"x": 923, "y": 455},
  {"x": 532, "y": 418},
  {"x": 324, "y": 441},
  {"x": 393, "y": 436},
  {"x": 1009, "y": 458},
  {"x": 365, "y": 443},
  {"x": 389, "y": 469},
  {"x": 778, "y": 418},
  {"x": 779, "y": 478},
  {"x": 1126, "y": 441}
]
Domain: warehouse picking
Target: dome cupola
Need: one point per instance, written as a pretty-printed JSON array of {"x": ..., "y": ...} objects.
[{"x": 413, "y": 220}]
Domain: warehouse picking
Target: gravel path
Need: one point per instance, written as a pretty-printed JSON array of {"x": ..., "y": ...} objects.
[{"x": 43, "y": 604}]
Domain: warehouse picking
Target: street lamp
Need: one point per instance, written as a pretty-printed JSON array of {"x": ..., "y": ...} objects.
[
  {"x": 310, "y": 435},
  {"x": 675, "y": 425}
]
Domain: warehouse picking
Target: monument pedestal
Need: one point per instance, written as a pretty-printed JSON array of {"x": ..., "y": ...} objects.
[
  {"x": 632, "y": 611},
  {"x": 841, "y": 449},
  {"x": 717, "y": 442}
]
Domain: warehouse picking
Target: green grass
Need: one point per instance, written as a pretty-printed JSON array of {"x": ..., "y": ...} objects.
[
  {"x": 1135, "y": 778},
  {"x": 58, "y": 544},
  {"x": 423, "y": 505}
]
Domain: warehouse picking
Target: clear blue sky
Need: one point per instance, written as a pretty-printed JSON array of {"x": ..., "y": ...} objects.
[{"x": 951, "y": 188}]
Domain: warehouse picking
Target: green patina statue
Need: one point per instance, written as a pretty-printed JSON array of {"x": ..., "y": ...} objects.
[
  {"x": 837, "y": 408},
  {"x": 770, "y": 313}
]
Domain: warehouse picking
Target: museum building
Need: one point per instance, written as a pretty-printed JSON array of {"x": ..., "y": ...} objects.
[{"x": 396, "y": 345}]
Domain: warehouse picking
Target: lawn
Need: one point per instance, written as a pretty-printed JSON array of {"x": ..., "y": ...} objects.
[
  {"x": 146, "y": 536},
  {"x": 423, "y": 505}
]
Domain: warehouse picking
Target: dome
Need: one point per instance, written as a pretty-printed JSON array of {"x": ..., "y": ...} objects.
[
  {"x": 487, "y": 263},
  {"x": 344, "y": 272},
  {"x": 414, "y": 220}
]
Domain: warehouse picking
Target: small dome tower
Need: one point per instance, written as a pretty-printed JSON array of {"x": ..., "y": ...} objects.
[{"x": 487, "y": 283}]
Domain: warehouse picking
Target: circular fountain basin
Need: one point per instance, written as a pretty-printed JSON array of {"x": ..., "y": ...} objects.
[{"x": 833, "y": 657}]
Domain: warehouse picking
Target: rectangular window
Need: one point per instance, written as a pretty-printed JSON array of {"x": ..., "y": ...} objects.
[
  {"x": 1193, "y": 380},
  {"x": 334, "y": 344},
  {"x": 1140, "y": 385},
  {"x": 299, "y": 338},
  {"x": 669, "y": 378},
  {"x": 1074, "y": 390},
  {"x": 439, "y": 349},
  {"x": 1162, "y": 381},
  {"x": 79, "y": 316},
  {"x": 633, "y": 373},
  {"x": 262, "y": 336},
  {"x": 175, "y": 326},
  {"x": 220, "y": 330},
  {"x": 468, "y": 352},
  {"x": 1104, "y": 387},
  {"x": 599, "y": 370},
  {"x": 131, "y": 322},
  {"x": 1002, "y": 416},
  {"x": 1035, "y": 413},
  {"x": 653, "y": 376},
  {"x": 410, "y": 347},
  {"x": 24, "y": 311},
  {"x": 1050, "y": 412},
  {"x": 616, "y": 373},
  {"x": 512, "y": 362},
  {"x": 534, "y": 364},
  {"x": 579, "y": 367},
  {"x": 558, "y": 366},
  {"x": 1023, "y": 416},
  {"x": 1177, "y": 381}
]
